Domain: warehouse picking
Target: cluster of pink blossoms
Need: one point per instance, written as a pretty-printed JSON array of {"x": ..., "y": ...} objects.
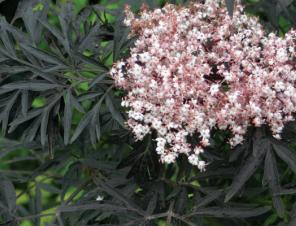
[{"x": 194, "y": 69}]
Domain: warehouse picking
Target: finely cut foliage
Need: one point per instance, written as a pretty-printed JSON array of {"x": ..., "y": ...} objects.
[{"x": 66, "y": 155}]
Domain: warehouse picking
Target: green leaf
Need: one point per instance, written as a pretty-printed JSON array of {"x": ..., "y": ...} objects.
[
  {"x": 152, "y": 204},
  {"x": 90, "y": 61},
  {"x": 65, "y": 18},
  {"x": 21, "y": 119},
  {"x": 94, "y": 130},
  {"x": 38, "y": 102},
  {"x": 114, "y": 112},
  {"x": 88, "y": 96},
  {"x": 30, "y": 16},
  {"x": 37, "y": 204},
  {"x": 271, "y": 175},
  {"x": 33, "y": 86},
  {"x": 5, "y": 38},
  {"x": 72, "y": 177},
  {"x": 5, "y": 114},
  {"x": 246, "y": 171},
  {"x": 42, "y": 55},
  {"x": 25, "y": 102},
  {"x": 287, "y": 192},
  {"x": 56, "y": 33},
  {"x": 182, "y": 200},
  {"x": 292, "y": 221},
  {"x": 44, "y": 125},
  {"x": 32, "y": 130},
  {"x": 67, "y": 116},
  {"x": 11, "y": 70},
  {"x": 90, "y": 38},
  {"x": 121, "y": 197},
  {"x": 45, "y": 118},
  {"x": 49, "y": 187},
  {"x": 77, "y": 105},
  {"x": 8, "y": 195},
  {"x": 38, "y": 7},
  {"x": 231, "y": 212},
  {"x": 98, "y": 79},
  {"x": 120, "y": 37},
  {"x": 93, "y": 206},
  {"x": 84, "y": 122},
  {"x": 209, "y": 198},
  {"x": 285, "y": 154}
]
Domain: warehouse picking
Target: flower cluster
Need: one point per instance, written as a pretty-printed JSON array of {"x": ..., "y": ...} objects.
[{"x": 194, "y": 69}]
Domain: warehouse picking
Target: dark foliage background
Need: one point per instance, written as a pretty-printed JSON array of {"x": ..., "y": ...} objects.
[{"x": 66, "y": 158}]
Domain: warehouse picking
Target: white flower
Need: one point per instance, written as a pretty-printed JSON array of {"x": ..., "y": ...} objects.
[
  {"x": 277, "y": 136},
  {"x": 198, "y": 150},
  {"x": 173, "y": 125},
  {"x": 254, "y": 107},
  {"x": 290, "y": 91},
  {"x": 137, "y": 105},
  {"x": 156, "y": 123},
  {"x": 233, "y": 97},
  {"x": 113, "y": 71},
  {"x": 214, "y": 89},
  {"x": 162, "y": 131},
  {"x": 193, "y": 159},
  {"x": 145, "y": 57},
  {"x": 120, "y": 64},
  {"x": 205, "y": 133},
  {"x": 160, "y": 150},
  {"x": 140, "y": 131},
  {"x": 228, "y": 76},
  {"x": 205, "y": 142},
  {"x": 279, "y": 86},
  {"x": 136, "y": 115},
  {"x": 185, "y": 109},
  {"x": 236, "y": 140},
  {"x": 279, "y": 129},
  {"x": 238, "y": 129},
  {"x": 137, "y": 70},
  {"x": 153, "y": 84},
  {"x": 148, "y": 118},
  {"x": 169, "y": 102},
  {"x": 282, "y": 55},
  {"x": 169, "y": 157},
  {"x": 124, "y": 103},
  {"x": 201, "y": 165},
  {"x": 100, "y": 198},
  {"x": 169, "y": 137},
  {"x": 160, "y": 142},
  {"x": 238, "y": 53}
]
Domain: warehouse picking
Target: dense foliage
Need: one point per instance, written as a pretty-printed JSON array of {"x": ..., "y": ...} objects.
[{"x": 67, "y": 158}]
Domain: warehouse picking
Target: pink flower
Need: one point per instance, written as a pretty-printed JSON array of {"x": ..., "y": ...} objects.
[{"x": 194, "y": 69}]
